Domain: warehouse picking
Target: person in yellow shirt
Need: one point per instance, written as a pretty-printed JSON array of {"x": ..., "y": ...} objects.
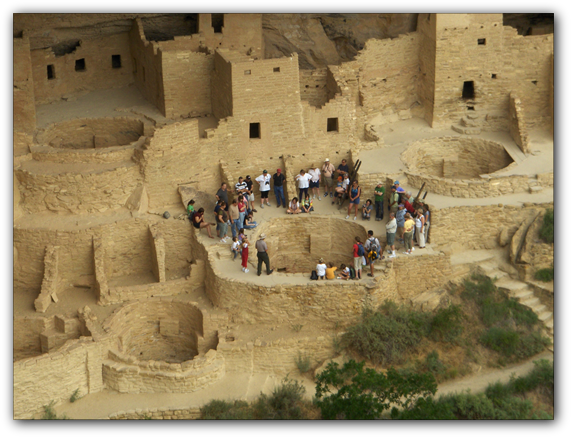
[
  {"x": 408, "y": 228},
  {"x": 330, "y": 271}
]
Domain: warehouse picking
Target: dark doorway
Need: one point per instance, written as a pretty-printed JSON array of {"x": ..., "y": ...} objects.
[
  {"x": 333, "y": 124},
  {"x": 80, "y": 64},
  {"x": 51, "y": 72},
  {"x": 217, "y": 22},
  {"x": 468, "y": 90},
  {"x": 116, "y": 61},
  {"x": 254, "y": 130}
]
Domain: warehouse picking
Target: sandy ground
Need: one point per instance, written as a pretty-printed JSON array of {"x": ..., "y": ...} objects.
[{"x": 383, "y": 159}]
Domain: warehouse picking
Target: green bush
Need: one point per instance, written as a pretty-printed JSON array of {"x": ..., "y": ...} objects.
[
  {"x": 353, "y": 392},
  {"x": 446, "y": 325},
  {"x": 501, "y": 340},
  {"x": 224, "y": 410},
  {"x": 531, "y": 344},
  {"x": 387, "y": 335},
  {"x": 50, "y": 414},
  {"x": 303, "y": 362},
  {"x": 478, "y": 288},
  {"x": 546, "y": 230},
  {"x": 510, "y": 343},
  {"x": 545, "y": 275},
  {"x": 284, "y": 403}
]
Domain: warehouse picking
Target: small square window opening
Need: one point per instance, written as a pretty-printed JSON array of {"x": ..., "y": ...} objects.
[
  {"x": 276, "y": 69},
  {"x": 494, "y": 76},
  {"x": 333, "y": 124},
  {"x": 116, "y": 61},
  {"x": 481, "y": 41},
  {"x": 80, "y": 64}
]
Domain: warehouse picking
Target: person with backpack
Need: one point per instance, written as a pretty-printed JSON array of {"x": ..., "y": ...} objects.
[
  {"x": 358, "y": 253},
  {"x": 373, "y": 250}
]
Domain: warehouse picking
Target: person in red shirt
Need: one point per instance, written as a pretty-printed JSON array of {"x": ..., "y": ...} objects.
[{"x": 357, "y": 259}]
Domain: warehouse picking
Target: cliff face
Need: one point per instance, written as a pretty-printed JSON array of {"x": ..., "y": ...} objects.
[
  {"x": 323, "y": 39},
  {"x": 319, "y": 39}
]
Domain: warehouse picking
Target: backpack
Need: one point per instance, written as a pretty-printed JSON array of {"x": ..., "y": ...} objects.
[
  {"x": 360, "y": 250},
  {"x": 191, "y": 216},
  {"x": 373, "y": 249},
  {"x": 352, "y": 274},
  {"x": 313, "y": 275}
]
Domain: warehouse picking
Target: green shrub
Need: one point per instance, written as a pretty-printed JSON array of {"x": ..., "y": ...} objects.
[
  {"x": 446, "y": 325},
  {"x": 353, "y": 392},
  {"x": 387, "y": 335},
  {"x": 546, "y": 230},
  {"x": 425, "y": 409},
  {"x": 303, "y": 362},
  {"x": 284, "y": 403},
  {"x": 74, "y": 396},
  {"x": 224, "y": 410},
  {"x": 501, "y": 340},
  {"x": 478, "y": 288},
  {"x": 545, "y": 275},
  {"x": 50, "y": 414},
  {"x": 531, "y": 344}
]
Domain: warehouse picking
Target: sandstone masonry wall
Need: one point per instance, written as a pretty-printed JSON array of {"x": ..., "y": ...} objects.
[
  {"x": 517, "y": 125},
  {"x": 24, "y": 99}
]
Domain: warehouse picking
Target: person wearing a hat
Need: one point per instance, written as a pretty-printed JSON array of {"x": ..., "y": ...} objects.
[
  {"x": 379, "y": 200},
  {"x": 394, "y": 200},
  {"x": 327, "y": 176},
  {"x": 279, "y": 180},
  {"x": 264, "y": 181},
  {"x": 263, "y": 256}
]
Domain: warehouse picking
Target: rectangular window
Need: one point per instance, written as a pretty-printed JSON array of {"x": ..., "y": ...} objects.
[
  {"x": 51, "y": 72},
  {"x": 255, "y": 130},
  {"x": 134, "y": 66},
  {"x": 144, "y": 78},
  {"x": 494, "y": 76},
  {"x": 481, "y": 41},
  {"x": 333, "y": 124},
  {"x": 116, "y": 61},
  {"x": 276, "y": 69},
  {"x": 80, "y": 64}
]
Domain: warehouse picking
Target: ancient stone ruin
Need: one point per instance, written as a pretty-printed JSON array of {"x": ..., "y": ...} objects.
[{"x": 119, "y": 118}]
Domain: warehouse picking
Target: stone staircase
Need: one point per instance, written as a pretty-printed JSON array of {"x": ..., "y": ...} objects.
[
  {"x": 535, "y": 186},
  {"x": 523, "y": 293},
  {"x": 469, "y": 125}
]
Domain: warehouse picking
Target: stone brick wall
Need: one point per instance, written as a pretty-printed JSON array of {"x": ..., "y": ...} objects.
[
  {"x": 26, "y": 338},
  {"x": 313, "y": 86},
  {"x": 98, "y": 74},
  {"x": 24, "y": 100},
  {"x": 417, "y": 274},
  {"x": 389, "y": 73},
  {"x": 535, "y": 254},
  {"x": 477, "y": 227},
  {"x": 77, "y": 365},
  {"x": 158, "y": 414},
  {"x": 426, "y": 29},
  {"x": 186, "y": 82},
  {"x": 517, "y": 125}
]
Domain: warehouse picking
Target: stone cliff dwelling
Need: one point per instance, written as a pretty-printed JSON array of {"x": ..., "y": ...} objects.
[{"x": 119, "y": 118}]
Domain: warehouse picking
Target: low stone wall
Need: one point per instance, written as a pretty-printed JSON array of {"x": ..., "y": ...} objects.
[
  {"x": 65, "y": 156},
  {"x": 55, "y": 376},
  {"x": 277, "y": 356},
  {"x": 416, "y": 274},
  {"x": 191, "y": 413},
  {"x": 131, "y": 376},
  {"x": 534, "y": 253},
  {"x": 517, "y": 125},
  {"x": 78, "y": 192},
  {"x": 478, "y": 227},
  {"x": 50, "y": 281}
]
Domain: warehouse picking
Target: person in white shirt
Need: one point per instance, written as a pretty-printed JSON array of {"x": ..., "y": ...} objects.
[
  {"x": 314, "y": 182},
  {"x": 303, "y": 178},
  {"x": 321, "y": 269},
  {"x": 264, "y": 181},
  {"x": 327, "y": 175}
]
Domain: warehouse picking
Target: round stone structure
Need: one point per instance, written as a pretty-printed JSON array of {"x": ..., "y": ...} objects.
[{"x": 462, "y": 167}]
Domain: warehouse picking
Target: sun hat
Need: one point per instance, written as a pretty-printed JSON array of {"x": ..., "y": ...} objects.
[
  {"x": 397, "y": 183},
  {"x": 262, "y": 236},
  {"x": 326, "y": 159}
]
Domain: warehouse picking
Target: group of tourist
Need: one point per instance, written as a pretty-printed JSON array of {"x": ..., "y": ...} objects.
[
  {"x": 363, "y": 254},
  {"x": 405, "y": 223}
]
